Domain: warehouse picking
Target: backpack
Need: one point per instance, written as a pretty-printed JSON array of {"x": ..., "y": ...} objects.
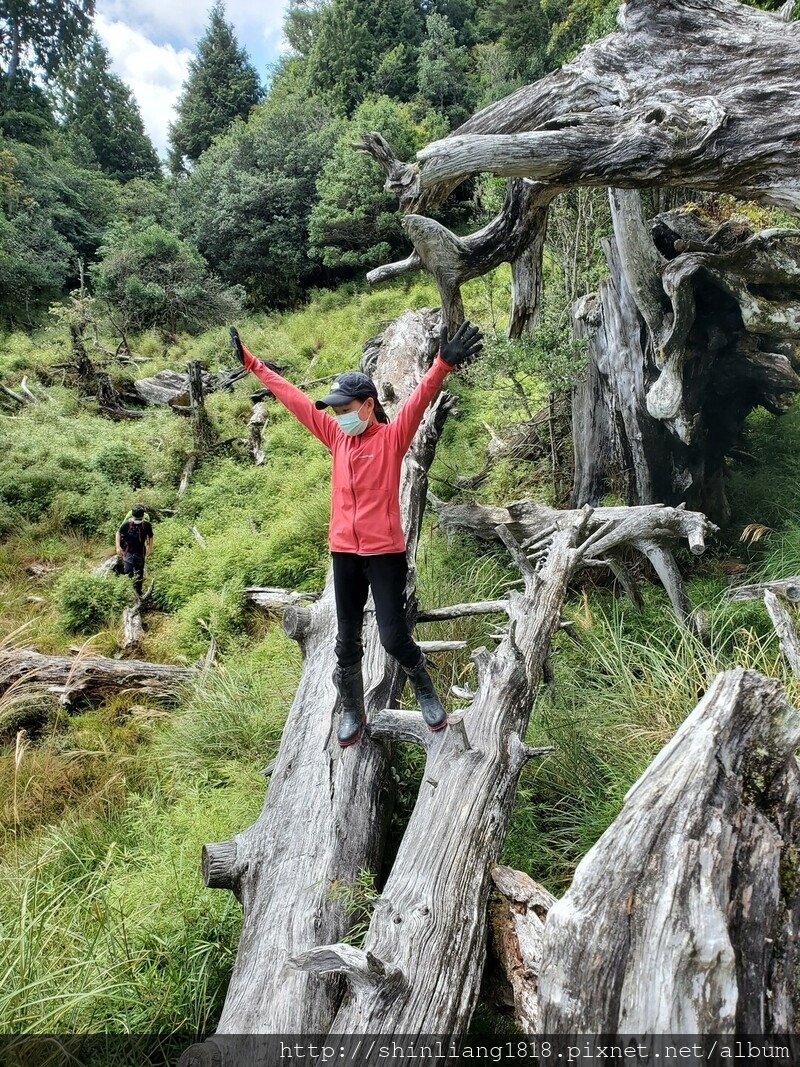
[{"x": 132, "y": 536}]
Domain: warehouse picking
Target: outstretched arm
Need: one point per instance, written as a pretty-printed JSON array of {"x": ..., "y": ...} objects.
[
  {"x": 462, "y": 348},
  {"x": 320, "y": 424}
]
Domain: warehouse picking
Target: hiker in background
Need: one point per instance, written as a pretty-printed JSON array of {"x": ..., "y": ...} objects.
[
  {"x": 134, "y": 545},
  {"x": 366, "y": 536}
]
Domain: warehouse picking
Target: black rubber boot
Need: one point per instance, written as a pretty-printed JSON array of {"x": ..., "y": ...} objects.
[
  {"x": 349, "y": 683},
  {"x": 431, "y": 707}
]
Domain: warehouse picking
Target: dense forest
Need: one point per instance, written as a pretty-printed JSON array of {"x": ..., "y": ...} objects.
[{"x": 115, "y": 266}]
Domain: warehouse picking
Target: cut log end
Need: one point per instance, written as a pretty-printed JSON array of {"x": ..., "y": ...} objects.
[
  {"x": 206, "y": 1054},
  {"x": 297, "y": 623},
  {"x": 219, "y": 865}
]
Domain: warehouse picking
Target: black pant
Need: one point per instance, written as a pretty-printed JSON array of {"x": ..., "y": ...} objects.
[
  {"x": 134, "y": 567},
  {"x": 353, "y": 577}
]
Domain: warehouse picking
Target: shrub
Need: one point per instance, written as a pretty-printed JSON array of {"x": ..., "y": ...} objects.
[
  {"x": 87, "y": 602},
  {"x": 153, "y": 279}
]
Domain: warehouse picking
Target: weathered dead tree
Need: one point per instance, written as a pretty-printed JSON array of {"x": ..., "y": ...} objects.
[
  {"x": 652, "y": 530},
  {"x": 419, "y": 970},
  {"x": 685, "y": 916},
  {"x": 774, "y": 594},
  {"x": 518, "y": 911},
  {"x": 132, "y": 625},
  {"x": 81, "y": 364},
  {"x": 258, "y": 420},
  {"x": 204, "y": 434},
  {"x": 88, "y": 677},
  {"x": 695, "y": 327},
  {"x": 516, "y": 236},
  {"x": 624, "y": 113},
  {"x": 326, "y": 809},
  {"x": 110, "y": 402}
]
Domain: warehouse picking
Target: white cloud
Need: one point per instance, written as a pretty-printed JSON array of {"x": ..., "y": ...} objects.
[
  {"x": 154, "y": 72},
  {"x": 151, "y": 42}
]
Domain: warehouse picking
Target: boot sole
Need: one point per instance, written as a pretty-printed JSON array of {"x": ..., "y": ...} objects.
[
  {"x": 436, "y": 729},
  {"x": 354, "y": 740}
]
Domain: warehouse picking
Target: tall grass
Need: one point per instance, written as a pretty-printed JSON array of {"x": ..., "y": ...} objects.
[
  {"x": 620, "y": 695},
  {"x": 104, "y": 923}
]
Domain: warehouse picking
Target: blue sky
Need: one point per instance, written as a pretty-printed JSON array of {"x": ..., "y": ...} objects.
[{"x": 151, "y": 42}]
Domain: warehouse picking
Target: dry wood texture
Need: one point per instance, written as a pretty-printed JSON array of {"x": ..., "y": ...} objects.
[
  {"x": 695, "y": 327},
  {"x": 626, "y": 113},
  {"x": 89, "y": 677},
  {"x": 419, "y": 971},
  {"x": 684, "y": 916}
]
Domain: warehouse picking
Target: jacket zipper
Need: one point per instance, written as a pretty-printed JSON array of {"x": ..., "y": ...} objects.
[{"x": 355, "y": 503}]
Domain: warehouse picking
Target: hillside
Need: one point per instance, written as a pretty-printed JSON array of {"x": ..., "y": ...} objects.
[{"x": 105, "y": 808}]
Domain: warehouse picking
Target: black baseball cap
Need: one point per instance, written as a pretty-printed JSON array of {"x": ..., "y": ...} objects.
[
  {"x": 350, "y": 385},
  {"x": 137, "y": 511}
]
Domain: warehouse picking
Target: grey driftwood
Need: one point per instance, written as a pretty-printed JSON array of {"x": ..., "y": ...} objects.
[
  {"x": 697, "y": 324},
  {"x": 419, "y": 969}
]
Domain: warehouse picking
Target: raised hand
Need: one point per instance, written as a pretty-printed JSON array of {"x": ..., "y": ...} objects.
[
  {"x": 236, "y": 344},
  {"x": 463, "y": 347}
]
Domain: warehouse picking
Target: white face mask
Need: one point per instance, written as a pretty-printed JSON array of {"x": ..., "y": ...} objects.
[{"x": 351, "y": 422}]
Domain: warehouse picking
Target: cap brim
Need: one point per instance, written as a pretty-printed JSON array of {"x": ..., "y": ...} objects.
[{"x": 333, "y": 400}]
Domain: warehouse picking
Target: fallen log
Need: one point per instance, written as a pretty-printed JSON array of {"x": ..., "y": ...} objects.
[
  {"x": 785, "y": 587},
  {"x": 685, "y": 916},
  {"x": 326, "y": 809},
  {"x": 88, "y": 677},
  {"x": 419, "y": 969},
  {"x": 271, "y": 598},
  {"x": 165, "y": 388},
  {"x": 785, "y": 629},
  {"x": 110, "y": 565}
]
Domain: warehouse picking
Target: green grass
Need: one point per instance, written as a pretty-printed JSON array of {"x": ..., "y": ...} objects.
[
  {"x": 619, "y": 697},
  {"x": 104, "y": 922}
]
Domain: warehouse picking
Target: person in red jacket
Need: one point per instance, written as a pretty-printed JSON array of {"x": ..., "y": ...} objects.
[{"x": 365, "y": 536}]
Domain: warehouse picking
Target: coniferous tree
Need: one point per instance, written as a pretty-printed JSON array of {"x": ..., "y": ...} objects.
[
  {"x": 47, "y": 33},
  {"x": 246, "y": 203},
  {"x": 300, "y": 24},
  {"x": 102, "y": 119},
  {"x": 359, "y": 41},
  {"x": 222, "y": 86},
  {"x": 442, "y": 70},
  {"x": 355, "y": 222}
]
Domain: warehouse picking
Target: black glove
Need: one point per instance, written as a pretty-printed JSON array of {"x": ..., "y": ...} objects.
[
  {"x": 463, "y": 347},
  {"x": 236, "y": 344}
]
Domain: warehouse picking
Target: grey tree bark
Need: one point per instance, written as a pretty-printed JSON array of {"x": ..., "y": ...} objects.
[
  {"x": 698, "y": 870},
  {"x": 696, "y": 327},
  {"x": 419, "y": 970},
  {"x": 689, "y": 334},
  {"x": 89, "y": 677},
  {"x": 624, "y": 113}
]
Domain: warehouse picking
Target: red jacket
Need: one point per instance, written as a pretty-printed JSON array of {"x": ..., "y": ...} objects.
[{"x": 365, "y": 489}]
